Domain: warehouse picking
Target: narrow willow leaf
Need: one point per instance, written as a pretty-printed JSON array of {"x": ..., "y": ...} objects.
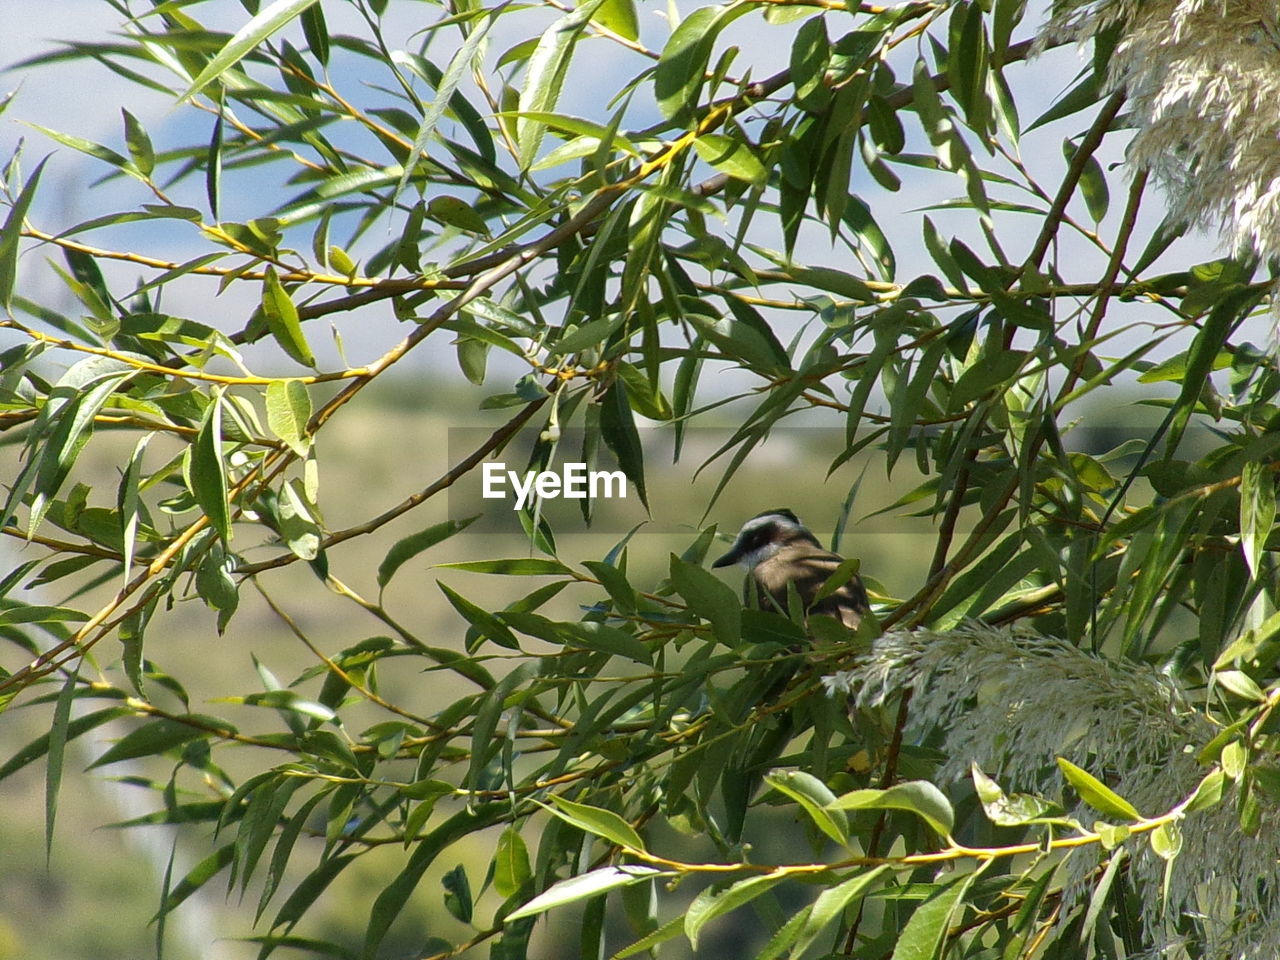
[
  {"x": 39, "y": 747},
  {"x": 1097, "y": 900},
  {"x": 460, "y": 66},
  {"x": 316, "y": 31},
  {"x": 600, "y": 636},
  {"x": 545, "y": 75},
  {"x": 830, "y": 904},
  {"x": 34, "y": 613},
  {"x": 209, "y": 473},
  {"x": 712, "y": 903},
  {"x": 1257, "y": 511},
  {"x": 1097, "y": 794},
  {"x": 810, "y": 54},
  {"x": 488, "y": 625},
  {"x": 127, "y": 501},
  {"x": 683, "y": 65},
  {"x": 281, "y": 317},
  {"x": 597, "y": 820},
  {"x": 668, "y": 931},
  {"x": 924, "y": 936},
  {"x": 57, "y": 748},
  {"x": 213, "y": 165},
  {"x": 1208, "y": 793},
  {"x": 517, "y": 567},
  {"x": 731, "y": 156},
  {"x": 620, "y": 17},
  {"x": 489, "y": 712},
  {"x": 815, "y": 798},
  {"x": 88, "y": 147},
  {"x": 578, "y": 888},
  {"x": 310, "y": 888},
  {"x": 709, "y": 599},
  {"x": 266, "y": 22},
  {"x": 139, "y": 144},
  {"x": 618, "y": 429},
  {"x": 157, "y": 737},
  {"x": 917, "y": 796},
  {"x": 196, "y": 877},
  {"x": 406, "y": 549},
  {"x": 72, "y": 426}
]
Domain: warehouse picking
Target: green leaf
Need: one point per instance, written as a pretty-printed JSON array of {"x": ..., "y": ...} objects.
[
  {"x": 266, "y": 22},
  {"x": 830, "y": 904},
  {"x": 916, "y": 796},
  {"x": 208, "y": 471},
  {"x": 730, "y": 156},
  {"x": 590, "y": 884},
  {"x": 484, "y": 621},
  {"x": 1208, "y": 793},
  {"x": 39, "y": 747},
  {"x": 139, "y": 144},
  {"x": 511, "y": 870},
  {"x": 406, "y": 549},
  {"x": 1166, "y": 840},
  {"x": 1083, "y": 95},
  {"x": 1241, "y": 684},
  {"x": 127, "y": 504},
  {"x": 1011, "y": 811},
  {"x": 1097, "y": 794},
  {"x": 810, "y": 54},
  {"x": 600, "y": 636},
  {"x": 456, "y": 212},
  {"x": 545, "y": 75},
  {"x": 712, "y": 903},
  {"x": 683, "y": 64},
  {"x": 156, "y": 737},
  {"x": 815, "y": 798},
  {"x": 1257, "y": 511},
  {"x": 32, "y": 613},
  {"x": 457, "y": 893},
  {"x": 288, "y": 411},
  {"x": 11, "y": 234},
  {"x": 590, "y": 334},
  {"x": 88, "y": 147},
  {"x": 57, "y": 746},
  {"x": 518, "y": 567},
  {"x": 463, "y": 62},
  {"x": 1093, "y": 182},
  {"x": 65, "y": 424},
  {"x": 668, "y": 931},
  {"x": 620, "y": 17},
  {"x": 197, "y": 877},
  {"x": 597, "y": 820},
  {"x": 281, "y": 317},
  {"x": 709, "y": 599},
  {"x": 618, "y": 428},
  {"x": 615, "y": 582},
  {"x": 925, "y": 935}
]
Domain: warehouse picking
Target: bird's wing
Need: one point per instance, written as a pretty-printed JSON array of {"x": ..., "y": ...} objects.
[{"x": 809, "y": 569}]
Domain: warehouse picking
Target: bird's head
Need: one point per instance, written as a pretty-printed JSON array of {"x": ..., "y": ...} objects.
[{"x": 764, "y": 535}]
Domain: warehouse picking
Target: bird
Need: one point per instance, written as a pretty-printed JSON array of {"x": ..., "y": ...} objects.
[{"x": 779, "y": 551}]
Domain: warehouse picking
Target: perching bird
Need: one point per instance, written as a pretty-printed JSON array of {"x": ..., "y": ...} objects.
[{"x": 778, "y": 550}]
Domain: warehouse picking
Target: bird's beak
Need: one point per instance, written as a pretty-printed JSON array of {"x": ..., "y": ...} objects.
[{"x": 729, "y": 558}]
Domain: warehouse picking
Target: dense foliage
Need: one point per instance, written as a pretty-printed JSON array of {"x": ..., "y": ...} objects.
[{"x": 952, "y": 780}]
